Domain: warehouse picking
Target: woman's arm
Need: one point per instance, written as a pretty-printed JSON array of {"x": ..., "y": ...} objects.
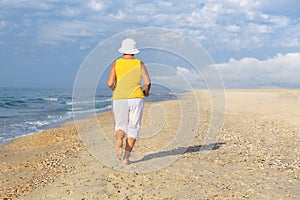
[
  {"x": 112, "y": 77},
  {"x": 146, "y": 78}
]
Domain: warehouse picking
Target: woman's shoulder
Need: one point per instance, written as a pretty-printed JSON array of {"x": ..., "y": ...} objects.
[{"x": 128, "y": 60}]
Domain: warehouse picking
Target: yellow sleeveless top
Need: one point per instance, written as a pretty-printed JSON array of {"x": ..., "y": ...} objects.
[{"x": 128, "y": 79}]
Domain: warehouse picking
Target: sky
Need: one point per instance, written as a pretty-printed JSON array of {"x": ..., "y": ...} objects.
[{"x": 253, "y": 43}]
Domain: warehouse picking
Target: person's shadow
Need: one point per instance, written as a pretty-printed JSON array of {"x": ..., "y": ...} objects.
[{"x": 182, "y": 150}]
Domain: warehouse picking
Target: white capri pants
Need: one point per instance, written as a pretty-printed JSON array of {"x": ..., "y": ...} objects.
[{"x": 128, "y": 115}]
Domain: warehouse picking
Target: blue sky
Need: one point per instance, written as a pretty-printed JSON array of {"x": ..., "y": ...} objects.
[{"x": 254, "y": 43}]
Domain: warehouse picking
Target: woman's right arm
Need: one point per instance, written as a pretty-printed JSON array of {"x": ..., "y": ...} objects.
[
  {"x": 112, "y": 77},
  {"x": 146, "y": 78}
]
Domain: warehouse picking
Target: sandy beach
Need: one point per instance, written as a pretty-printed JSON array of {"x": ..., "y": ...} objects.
[{"x": 256, "y": 155}]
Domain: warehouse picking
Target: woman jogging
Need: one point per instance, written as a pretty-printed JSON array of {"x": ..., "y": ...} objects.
[{"x": 125, "y": 80}]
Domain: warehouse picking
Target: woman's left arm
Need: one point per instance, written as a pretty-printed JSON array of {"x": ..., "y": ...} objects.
[{"x": 112, "y": 77}]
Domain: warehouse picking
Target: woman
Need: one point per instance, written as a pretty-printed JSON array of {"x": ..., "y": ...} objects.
[{"x": 125, "y": 80}]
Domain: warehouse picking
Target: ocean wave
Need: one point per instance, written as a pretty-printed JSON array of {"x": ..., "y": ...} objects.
[
  {"x": 103, "y": 95},
  {"x": 88, "y": 102},
  {"x": 38, "y": 123},
  {"x": 163, "y": 94},
  {"x": 25, "y": 111},
  {"x": 51, "y": 119},
  {"x": 49, "y": 99},
  {"x": 96, "y": 110},
  {"x": 11, "y": 103},
  {"x": 5, "y": 117}
]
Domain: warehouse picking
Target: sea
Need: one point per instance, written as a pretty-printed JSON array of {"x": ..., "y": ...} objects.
[{"x": 25, "y": 111}]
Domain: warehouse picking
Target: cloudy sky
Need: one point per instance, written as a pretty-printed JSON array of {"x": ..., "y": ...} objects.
[{"x": 254, "y": 43}]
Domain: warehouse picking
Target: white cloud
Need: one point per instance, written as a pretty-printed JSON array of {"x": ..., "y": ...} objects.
[
  {"x": 281, "y": 7},
  {"x": 165, "y": 4},
  {"x": 3, "y": 23},
  {"x": 234, "y": 24},
  {"x": 245, "y": 73},
  {"x": 148, "y": 8},
  {"x": 283, "y": 70},
  {"x": 228, "y": 24},
  {"x": 70, "y": 12},
  {"x": 120, "y": 15},
  {"x": 96, "y": 5},
  {"x": 84, "y": 46},
  {"x": 178, "y": 79},
  {"x": 37, "y": 4},
  {"x": 233, "y": 28},
  {"x": 65, "y": 31},
  {"x": 190, "y": 74},
  {"x": 243, "y": 3}
]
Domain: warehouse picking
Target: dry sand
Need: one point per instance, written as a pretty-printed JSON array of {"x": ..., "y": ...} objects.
[{"x": 256, "y": 156}]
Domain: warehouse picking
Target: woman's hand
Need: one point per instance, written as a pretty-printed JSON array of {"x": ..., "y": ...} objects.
[{"x": 146, "y": 94}]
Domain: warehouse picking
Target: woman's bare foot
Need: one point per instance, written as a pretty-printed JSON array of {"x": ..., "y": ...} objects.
[
  {"x": 126, "y": 158},
  {"x": 126, "y": 162}
]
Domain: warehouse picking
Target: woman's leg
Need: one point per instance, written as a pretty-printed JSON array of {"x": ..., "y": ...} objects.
[
  {"x": 120, "y": 108},
  {"x": 128, "y": 148},
  {"x": 119, "y": 142},
  {"x": 134, "y": 120},
  {"x": 119, "y": 138}
]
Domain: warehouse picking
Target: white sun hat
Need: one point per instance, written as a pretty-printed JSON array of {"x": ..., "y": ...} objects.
[{"x": 128, "y": 47}]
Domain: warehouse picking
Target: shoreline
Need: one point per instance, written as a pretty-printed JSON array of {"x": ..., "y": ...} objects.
[
  {"x": 51, "y": 126},
  {"x": 293, "y": 95},
  {"x": 59, "y": 124},
  {"x": 55, "y": 164}
]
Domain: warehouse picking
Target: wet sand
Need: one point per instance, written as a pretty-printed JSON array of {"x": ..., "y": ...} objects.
[{"x": 256, "y": 154}]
